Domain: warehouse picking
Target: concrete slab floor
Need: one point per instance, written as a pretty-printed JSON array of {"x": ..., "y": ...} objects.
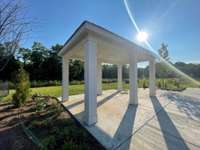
[{"x": 168, "y": 121}]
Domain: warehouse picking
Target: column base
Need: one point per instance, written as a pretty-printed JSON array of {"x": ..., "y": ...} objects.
[
  {"x": 119, "y": 90},
  {"x": 64, "y": 99},
  {"x": 133, "y": 104},
  {"x": 90, "y": 122},
  {"x": 99, "y": 94}
]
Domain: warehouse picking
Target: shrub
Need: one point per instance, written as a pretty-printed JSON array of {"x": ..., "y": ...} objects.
[
  {"x": 71, "y": 146},
  {"x": 126, "y": 81},
  {"x": 75, "y": 82},
  {"x": 159, "y": 84},
  {"x": 11, "y": 85},
  {"x": 109, "y": 80},
  {"x": 45, "y": 83},
  {"x": 49, "y": 142},
  {"x": 144, "y": 84},
  {"x": 22, "y": 88},
  {"x": 40, "y": 102}
]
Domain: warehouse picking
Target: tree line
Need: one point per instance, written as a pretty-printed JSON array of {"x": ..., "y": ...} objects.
[{"x": 44, "y": 64}]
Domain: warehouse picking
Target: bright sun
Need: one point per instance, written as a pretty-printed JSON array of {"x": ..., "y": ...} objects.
[{"x": 142, "y": 36}]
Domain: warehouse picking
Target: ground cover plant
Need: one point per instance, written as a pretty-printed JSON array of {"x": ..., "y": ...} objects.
[{"x": 55, "y": 128}]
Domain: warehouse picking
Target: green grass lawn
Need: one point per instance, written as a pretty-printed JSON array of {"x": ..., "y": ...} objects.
[
  {"x": 56, "y": 90},
  {"x": 78, "y": 89}
]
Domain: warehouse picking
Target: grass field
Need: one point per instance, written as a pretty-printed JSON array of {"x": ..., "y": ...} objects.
[{"x": 56, "y": 90}]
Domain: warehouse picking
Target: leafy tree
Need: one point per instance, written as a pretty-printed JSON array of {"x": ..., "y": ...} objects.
[
  {"x": 76, "y": 70},
  {"x": 55, "y": 49},
  {"x": 163, "y": 51},
  {"x": 44, "y": 64},
  {"x": 52, "y": 62},
  {"x": 24, "y": 54},
  {"x": 39, "y": 53},
  {"x": 22, "y": 88},
  {"x": 11, "y": 66},
  {"x": 109, "y": 71}
]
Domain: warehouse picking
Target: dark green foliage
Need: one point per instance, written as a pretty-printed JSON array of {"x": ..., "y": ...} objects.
[
  {"x": 22, "y": 88},
  {"x": 109, "y": 71},
  {"x": 44, "y": 66},
  {"x": 45, "y": 83},
  {"x": 75, "y": 82},
  {"x": 49, "y": 142},
  {"x": 60, "y": 132},
  {"x": 76, "y": 70},
  {"x": 170, "y": 84},
  {"x": 144, "y": 84},
  {"x": 40, "y": 103}
]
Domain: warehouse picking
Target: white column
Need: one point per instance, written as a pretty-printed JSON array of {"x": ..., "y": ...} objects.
[
  {"x": 90, "y": 82},
  {"x": 152, "y": 78},
  {"x": 133, "y": 95},
  {"x": 119, "y": 77},
  {"x": 65, "y": 78},
  {"x": 99, "y": 78}
]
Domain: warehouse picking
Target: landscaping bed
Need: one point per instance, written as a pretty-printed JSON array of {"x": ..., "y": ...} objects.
[
  {"x": 47, "y": 124},
  {"x": 12, "y": 136}
]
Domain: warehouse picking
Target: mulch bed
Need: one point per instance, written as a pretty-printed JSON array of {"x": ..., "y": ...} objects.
[
  {"x": 53, "y": 126},
  {"x": 12, "y": 136}
]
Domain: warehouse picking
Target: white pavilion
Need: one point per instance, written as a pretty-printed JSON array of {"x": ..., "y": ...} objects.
[{"x": 95, "y": 45}]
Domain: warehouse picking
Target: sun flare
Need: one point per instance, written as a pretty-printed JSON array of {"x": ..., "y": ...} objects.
[{"x": 142, "y": 36}]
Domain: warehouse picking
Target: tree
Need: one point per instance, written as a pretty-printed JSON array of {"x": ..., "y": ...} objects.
[
  {"x": 24, "y": 55},
  {"x": 12, "y": 64},
  {"x": 163, "y": 51},
  {"x": 76, "y": 70},
  {"x": 52, "y": 62},
  {"x": 13, "y": 27},
  {"x": 39, "y": 54},
  {"x": 22, "y": 88}
]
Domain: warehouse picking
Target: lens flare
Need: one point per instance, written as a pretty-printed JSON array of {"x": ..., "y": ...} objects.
[
  {"x": 153, "y": 50},
  {"x": 142, "y": 36}
]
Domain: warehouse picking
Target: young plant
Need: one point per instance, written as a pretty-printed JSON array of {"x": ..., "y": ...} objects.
[
  {"x": 40, "y": 102},
  {"x": 22, "y": 88},
  {"x": 144, "y": 84}
]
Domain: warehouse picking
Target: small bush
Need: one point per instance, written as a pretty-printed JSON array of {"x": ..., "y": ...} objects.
[
  {"x": 11, "y": 85},
  {"x": 40, "y": 103},
  {"x": 76, "y": 82},
  {"x": 159, "y": 84},
  {"x": 144, "y": 84},
  {"x": 109, "y": 80},
  {"x": 72, "y": 146},
  {"x": 126, "y": 81},
  {"x": 50, "y": 142},
  {"x": 45, "y": 83},
  {"x": 22, "y": 88}
]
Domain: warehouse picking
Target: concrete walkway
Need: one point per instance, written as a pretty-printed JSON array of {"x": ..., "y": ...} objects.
[{"x": 168, "y": 121}]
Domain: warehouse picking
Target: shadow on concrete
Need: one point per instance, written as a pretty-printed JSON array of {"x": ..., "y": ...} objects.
[
  {"x": 104, "y": 100},
  {"x": 122, "y": 134},
  {"x": 186, "y": 104},
  {"x": 101, "y": 102},
  {"x": 173, "y": 139},
  {"x": 75, "y": 104},
  {"x": 125, "y": 128}
]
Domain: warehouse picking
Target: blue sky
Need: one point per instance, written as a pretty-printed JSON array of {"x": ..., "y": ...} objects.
[{"x": 175, "y": 22}]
